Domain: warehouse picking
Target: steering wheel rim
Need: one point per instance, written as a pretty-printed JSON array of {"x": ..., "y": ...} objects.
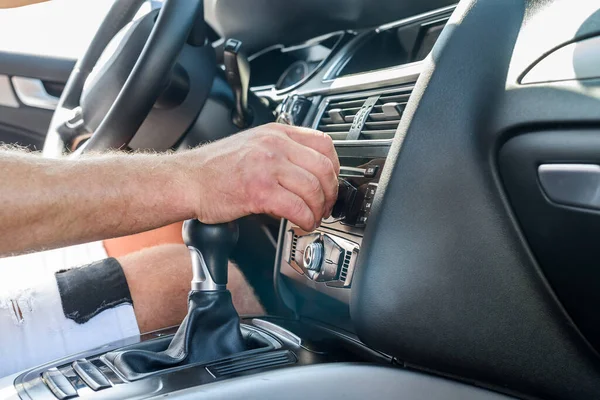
[{"x": 144, "y": 83}]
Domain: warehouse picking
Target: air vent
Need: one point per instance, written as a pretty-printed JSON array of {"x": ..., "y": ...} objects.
[
  {"x": 339, "y": 115},
  {"x": 344, "y": 117},
  {"x": 265, "y": 360}
]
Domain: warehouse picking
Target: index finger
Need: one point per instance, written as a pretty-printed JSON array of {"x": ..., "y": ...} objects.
[{"x": 316, "y": 140}]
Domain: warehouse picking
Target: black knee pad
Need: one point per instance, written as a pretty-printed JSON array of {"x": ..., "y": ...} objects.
[{"x": 88, "y": 290}]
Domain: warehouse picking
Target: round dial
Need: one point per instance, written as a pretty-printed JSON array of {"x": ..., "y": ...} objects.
[
  {"x": 293, "y": 74},
  {"x": 313, "y": 253}
]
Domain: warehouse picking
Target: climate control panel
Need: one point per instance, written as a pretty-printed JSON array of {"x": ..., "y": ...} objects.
[{"x": 322, "y": 257}]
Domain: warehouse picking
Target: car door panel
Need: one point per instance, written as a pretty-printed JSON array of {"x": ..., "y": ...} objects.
[{"x": 29, "y": 88}]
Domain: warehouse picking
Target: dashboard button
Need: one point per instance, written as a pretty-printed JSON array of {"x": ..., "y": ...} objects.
[
  {"x": 362, "y": 219},
  {"x": 371, "y": 171},
  {"x": 366, "y": 207},
  {"x": 91, "y": 375},
  {"x": 371, "y": 189}
]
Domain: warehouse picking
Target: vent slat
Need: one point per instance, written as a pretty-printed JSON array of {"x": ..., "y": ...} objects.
[
  {"x": 335, "y": 127},
  {"x": 398, "y": 98},
  {"x": 381, "y": 125},
  {"x": 383, "y": 117},
  {"x": 338, "y": 135},
  {"x": 348, "y": 103},
  {"x": 379, "y": 134},
  {"x": 347, "y": 110}
]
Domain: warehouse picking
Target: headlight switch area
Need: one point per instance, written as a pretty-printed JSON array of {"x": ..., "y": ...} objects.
[{"x": 321, "y": 257}]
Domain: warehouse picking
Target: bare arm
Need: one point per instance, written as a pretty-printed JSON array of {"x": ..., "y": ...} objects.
[{"x": 288, "y": 172}]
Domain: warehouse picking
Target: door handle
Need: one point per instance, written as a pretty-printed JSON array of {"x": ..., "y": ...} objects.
[
  {"x": 32, "y": 93},
  {"x": 7, "y": 97}
]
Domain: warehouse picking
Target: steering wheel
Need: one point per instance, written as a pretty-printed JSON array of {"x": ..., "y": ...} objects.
[{"x": 115, "y": 85}]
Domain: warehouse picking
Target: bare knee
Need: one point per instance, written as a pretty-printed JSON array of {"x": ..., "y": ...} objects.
[{"x": 159, "y": 280}]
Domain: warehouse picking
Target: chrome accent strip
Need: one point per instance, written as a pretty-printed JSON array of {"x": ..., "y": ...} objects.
[
  {"x": 7, "y": 96},
  {"x": 32, "y": 93},
  {"x": 202, "y": 280},
  {"x": 360, "y": 171},
  {"x": 414, "y": 18},
  {"x": 406, "y": 73},
  {"x": 277, "y": 331},
  {"x": 575, "y": 185}
]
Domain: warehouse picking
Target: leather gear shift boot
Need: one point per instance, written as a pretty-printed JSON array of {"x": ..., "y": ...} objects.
[{"x": 210, "y": 331}]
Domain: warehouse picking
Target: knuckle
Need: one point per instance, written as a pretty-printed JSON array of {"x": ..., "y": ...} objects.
[
  {"x": 326, "y": 164},
  {"x": 261, "y": 190},
  {"x": 270, "y": 141},
  {"x": 314, "y": 186},
  {"x": 327, "y": 139},
  {"x": 263, "y": 156},
  {"x": 296, "y": 208},
  {"x": 274, "y": 126}
]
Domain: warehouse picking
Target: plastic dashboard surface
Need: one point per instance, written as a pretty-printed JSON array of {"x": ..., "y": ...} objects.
[
  {"x": 444, "y": 261},
  {"x": 304, "y": 295}
]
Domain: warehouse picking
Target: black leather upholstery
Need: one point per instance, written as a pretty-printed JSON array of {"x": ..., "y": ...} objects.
[{"x": 210, "y": 331}]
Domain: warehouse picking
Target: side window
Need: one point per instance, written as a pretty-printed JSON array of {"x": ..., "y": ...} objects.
[{"x": 57, "y": 28}]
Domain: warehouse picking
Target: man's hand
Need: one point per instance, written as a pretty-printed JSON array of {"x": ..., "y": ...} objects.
[{"x": 276, "y": 169}]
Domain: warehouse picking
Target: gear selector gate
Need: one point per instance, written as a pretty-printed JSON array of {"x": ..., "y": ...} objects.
[{"x": 211, "y": 329}]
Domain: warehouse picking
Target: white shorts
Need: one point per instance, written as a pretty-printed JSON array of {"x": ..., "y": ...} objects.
[{"x": 33, "y": 327}]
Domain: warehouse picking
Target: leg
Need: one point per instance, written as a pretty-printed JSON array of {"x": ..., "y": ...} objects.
[{"x": 33, "y": 326}]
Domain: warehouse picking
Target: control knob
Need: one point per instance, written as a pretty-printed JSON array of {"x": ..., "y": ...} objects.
[{"x": 313, "y": 254}]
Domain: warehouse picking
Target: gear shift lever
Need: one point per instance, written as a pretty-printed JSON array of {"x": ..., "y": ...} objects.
[
  {"x": 209, "y": 246},
  {"x": 211, "y": 329}
]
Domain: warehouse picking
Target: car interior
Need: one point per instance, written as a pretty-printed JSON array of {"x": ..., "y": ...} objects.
[{"x": 459, "y": 261}]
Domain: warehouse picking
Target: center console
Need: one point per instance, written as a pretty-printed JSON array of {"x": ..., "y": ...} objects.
[
  {"x": 325, "y": 259},
  {"x": 320, "y": 265}
]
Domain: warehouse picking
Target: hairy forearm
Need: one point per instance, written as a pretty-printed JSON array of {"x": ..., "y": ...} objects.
[
  {"x": 274, "y": 169},
  {"x": 50, "y": 203}
]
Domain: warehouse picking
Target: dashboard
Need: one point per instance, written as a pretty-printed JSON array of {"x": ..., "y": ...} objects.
[
  {"x": 480, "y": 255},
  {"x": 354, "y": 86}
]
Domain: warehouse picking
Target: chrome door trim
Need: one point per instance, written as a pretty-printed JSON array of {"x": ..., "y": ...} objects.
[
  {"x": 7, "y": 96},
  {"x": 32, "y": 93}
]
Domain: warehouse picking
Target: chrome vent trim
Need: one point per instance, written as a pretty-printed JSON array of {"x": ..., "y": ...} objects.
[
  {"x": 294, "y": 245},
  {"x": 345, "y": 266},
  {"x": 338, "y": 114}
]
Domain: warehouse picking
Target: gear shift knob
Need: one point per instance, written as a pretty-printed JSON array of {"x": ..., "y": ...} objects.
[{"x": 210, "y": 247}]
